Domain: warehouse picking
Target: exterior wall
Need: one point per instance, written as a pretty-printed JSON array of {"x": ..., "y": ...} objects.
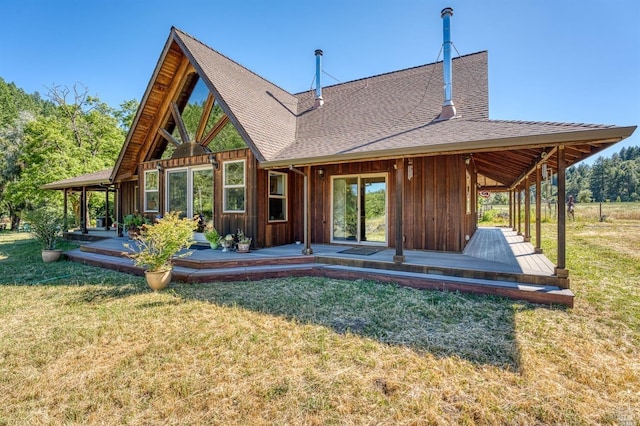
[
  {"x": 435, "y": 215},
  {"x": 434, "y": 201}
]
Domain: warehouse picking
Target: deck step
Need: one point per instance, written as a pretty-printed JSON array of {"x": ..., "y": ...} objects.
[{"x": 254, "y": 270}]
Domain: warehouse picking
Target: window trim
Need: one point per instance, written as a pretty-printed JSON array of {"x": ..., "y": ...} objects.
[
  {"x": 283, "y": 196},
  {"x": 225, "y": 186},
  {"x": 156, "y": 190}
]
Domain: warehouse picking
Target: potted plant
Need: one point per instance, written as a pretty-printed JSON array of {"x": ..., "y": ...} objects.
[
  {"x": 157, "y": 244},
  {"x": 244, "y": 242},
  {"x": 132, "y": 223},
  {"x": 213, "y": 237},
  {"x": 227, "y": 242},
  {"x": 46, "y": 225}
]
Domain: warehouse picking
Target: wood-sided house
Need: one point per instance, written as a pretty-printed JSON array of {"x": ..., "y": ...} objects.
[{"x": 376, "y": 161}]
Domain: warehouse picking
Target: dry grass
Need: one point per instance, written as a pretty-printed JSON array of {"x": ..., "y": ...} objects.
[{"x": 96, "y": 347}]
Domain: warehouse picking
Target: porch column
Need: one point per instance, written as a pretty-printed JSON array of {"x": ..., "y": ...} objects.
[
  {"x": 399, "y": 166},
  {"x": 119, "y": 216},
  {"x": 512, "y": 216},
  {"x": 527, "y": 210},
  {"x": 561, "y": 270},
  {"x": 106, "y": 210},
  {"x": 538, "y": 248},
  {"x": 519, "y": 209},
  {"x": 307, "y": 213},
  {"x": 65, "y": 218},
  {"x": 83, "y": 211}
]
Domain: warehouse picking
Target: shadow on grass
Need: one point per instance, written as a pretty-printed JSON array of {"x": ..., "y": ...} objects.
[{"x": 479, "y": 329}]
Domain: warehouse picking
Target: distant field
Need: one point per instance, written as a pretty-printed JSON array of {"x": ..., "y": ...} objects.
[
  {"x": 82, "y": 345},
  {"x": 497, "y": 214}
]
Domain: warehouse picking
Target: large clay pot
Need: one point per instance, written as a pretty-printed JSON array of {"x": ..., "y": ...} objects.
[
  {"x": 49, "y": 256},
  {"x": 158, "y": 280}
]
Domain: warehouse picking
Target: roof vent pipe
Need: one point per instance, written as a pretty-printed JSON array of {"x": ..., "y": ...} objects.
[
  {"x": 448, "y": 109},
  {"x": 319, "y": 101}
]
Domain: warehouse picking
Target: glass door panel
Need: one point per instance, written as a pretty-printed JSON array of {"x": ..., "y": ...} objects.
[
  {"x": 202, "y": 194},
  {"x": 345, "y": 209},
  {"x": 177, "y": 191},
  {"x": 373, "y": 209}
]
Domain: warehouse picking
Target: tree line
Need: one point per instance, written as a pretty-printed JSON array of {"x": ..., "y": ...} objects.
[{"x": 65, "y": 134}]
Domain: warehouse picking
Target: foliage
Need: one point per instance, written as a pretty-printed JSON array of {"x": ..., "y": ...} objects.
[
  {"x": 46, "y": 225},
  {"x": 133, "y": 221},
  {"x": 158, "y": 243},
  {"x": 242, "y": 238},
  {"x": 212, "y": 235},
  {"x": 41, "y": 141},
  {"x": 608, "y": 178}
]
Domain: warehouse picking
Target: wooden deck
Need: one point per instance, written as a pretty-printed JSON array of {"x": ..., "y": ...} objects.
[{"x": 496, "y": 261}]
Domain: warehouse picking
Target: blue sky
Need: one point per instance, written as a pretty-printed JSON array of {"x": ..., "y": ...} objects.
[{"x": 549, "y": 60}]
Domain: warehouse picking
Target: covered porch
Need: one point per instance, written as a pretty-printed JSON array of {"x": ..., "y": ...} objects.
[{"x": 497, "y": 261}]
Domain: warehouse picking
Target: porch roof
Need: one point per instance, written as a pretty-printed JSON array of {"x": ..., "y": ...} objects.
[{"x": 95, "y": 180}]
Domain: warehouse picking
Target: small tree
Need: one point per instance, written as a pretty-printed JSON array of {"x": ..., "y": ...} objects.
[
  {"x": 46, "y": 225},
  {"x": 158, "y": 243}
]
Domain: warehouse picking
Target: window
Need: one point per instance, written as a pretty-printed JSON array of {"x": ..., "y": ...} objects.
[
  {"x": 277, "y": 196},
  {"x": 151, "y": 191},
  {"x": 234, "y": 186}
]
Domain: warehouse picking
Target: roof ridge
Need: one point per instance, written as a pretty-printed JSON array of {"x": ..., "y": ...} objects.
[
  {"x": 552, "y": 123},
  {"x": 228, "y": 58},
  {"x": 392, "y": 72}
]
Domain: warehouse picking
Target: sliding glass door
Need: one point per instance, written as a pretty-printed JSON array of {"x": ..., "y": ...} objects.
[
  {"x": 190, "y": 192},
  {"x": 359, "y": 209}
]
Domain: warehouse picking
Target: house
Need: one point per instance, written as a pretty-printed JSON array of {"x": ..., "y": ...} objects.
[{"x": 388, "y": 160}]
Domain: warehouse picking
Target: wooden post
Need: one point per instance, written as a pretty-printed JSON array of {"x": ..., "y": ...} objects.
[
  {"x": 307, "y": 213},
  {"x": 527, "y": 210},
  {"x": 561, "y": 270},
  {"x": 399, "y": 166},
  {"x": 119, "y": 204},
  {"x": 538, "y": 248},
  {"x": 83, "y": 211},
  {"x": 511, "y": 209},
  {"x": 519, "y": 210},
  {"x": 106, "y": 210},
  {"x": 65, "y": 217}
]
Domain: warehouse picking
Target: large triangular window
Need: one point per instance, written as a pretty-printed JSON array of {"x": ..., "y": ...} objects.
[{"x": 195, "y": 119}]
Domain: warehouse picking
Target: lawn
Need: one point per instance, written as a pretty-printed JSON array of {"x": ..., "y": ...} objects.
[{"x": 82, "y": 345}]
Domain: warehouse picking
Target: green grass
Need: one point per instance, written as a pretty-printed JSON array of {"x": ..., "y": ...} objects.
[{"x": 83, "y": 345}]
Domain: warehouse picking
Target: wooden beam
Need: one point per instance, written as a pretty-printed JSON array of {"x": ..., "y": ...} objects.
[
  {"x": 202, "y": 125},
  {"x": 542, "y": 158},
  {"x": 168, "y": 136},
  {"x": 538, "y": 248},
  {"x": 527, "y": 210},
  {"x": 216, "y": 129},
  {"x": 561, "y": 267},
  {"x": 182, "y": 129},
  {"x": 399, "y": 166}
]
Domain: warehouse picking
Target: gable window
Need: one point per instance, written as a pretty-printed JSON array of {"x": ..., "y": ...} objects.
[
  {"x": 277, "y": 197},
  {"x": 234, "y": 186},
  {"x": 151, "y": 191}
]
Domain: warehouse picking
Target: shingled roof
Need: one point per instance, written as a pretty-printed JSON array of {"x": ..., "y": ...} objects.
[{"x": 383, "y": 116}]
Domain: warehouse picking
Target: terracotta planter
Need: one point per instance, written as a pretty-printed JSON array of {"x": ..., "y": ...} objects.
[
  {"x": 158, "y": 280},
  {"x": 49, "y": 256},
  {"x": 244, "y": 248}
]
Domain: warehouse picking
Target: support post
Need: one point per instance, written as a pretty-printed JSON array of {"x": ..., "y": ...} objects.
[
  {"x": 83, "y": 211},
  {"x": 538, "y": 248},
  {"x": 106, "y": 210},
  {"x": 119, "y": 215},
  {"x": 511, "y": 223},
  {"x": 65, "y": 217},
  {"x": 307, "y": 214},
  {"x": 399, "y": 256},
  {"x": 519, "y": 210},
  {"x": 527, "y": 210},
  {"x": 561, "y": 267}
]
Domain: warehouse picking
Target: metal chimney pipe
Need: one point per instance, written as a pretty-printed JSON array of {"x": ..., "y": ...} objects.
[
  {"x": 319, "y": 101},
  {"x": 448, "y": 108}
]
